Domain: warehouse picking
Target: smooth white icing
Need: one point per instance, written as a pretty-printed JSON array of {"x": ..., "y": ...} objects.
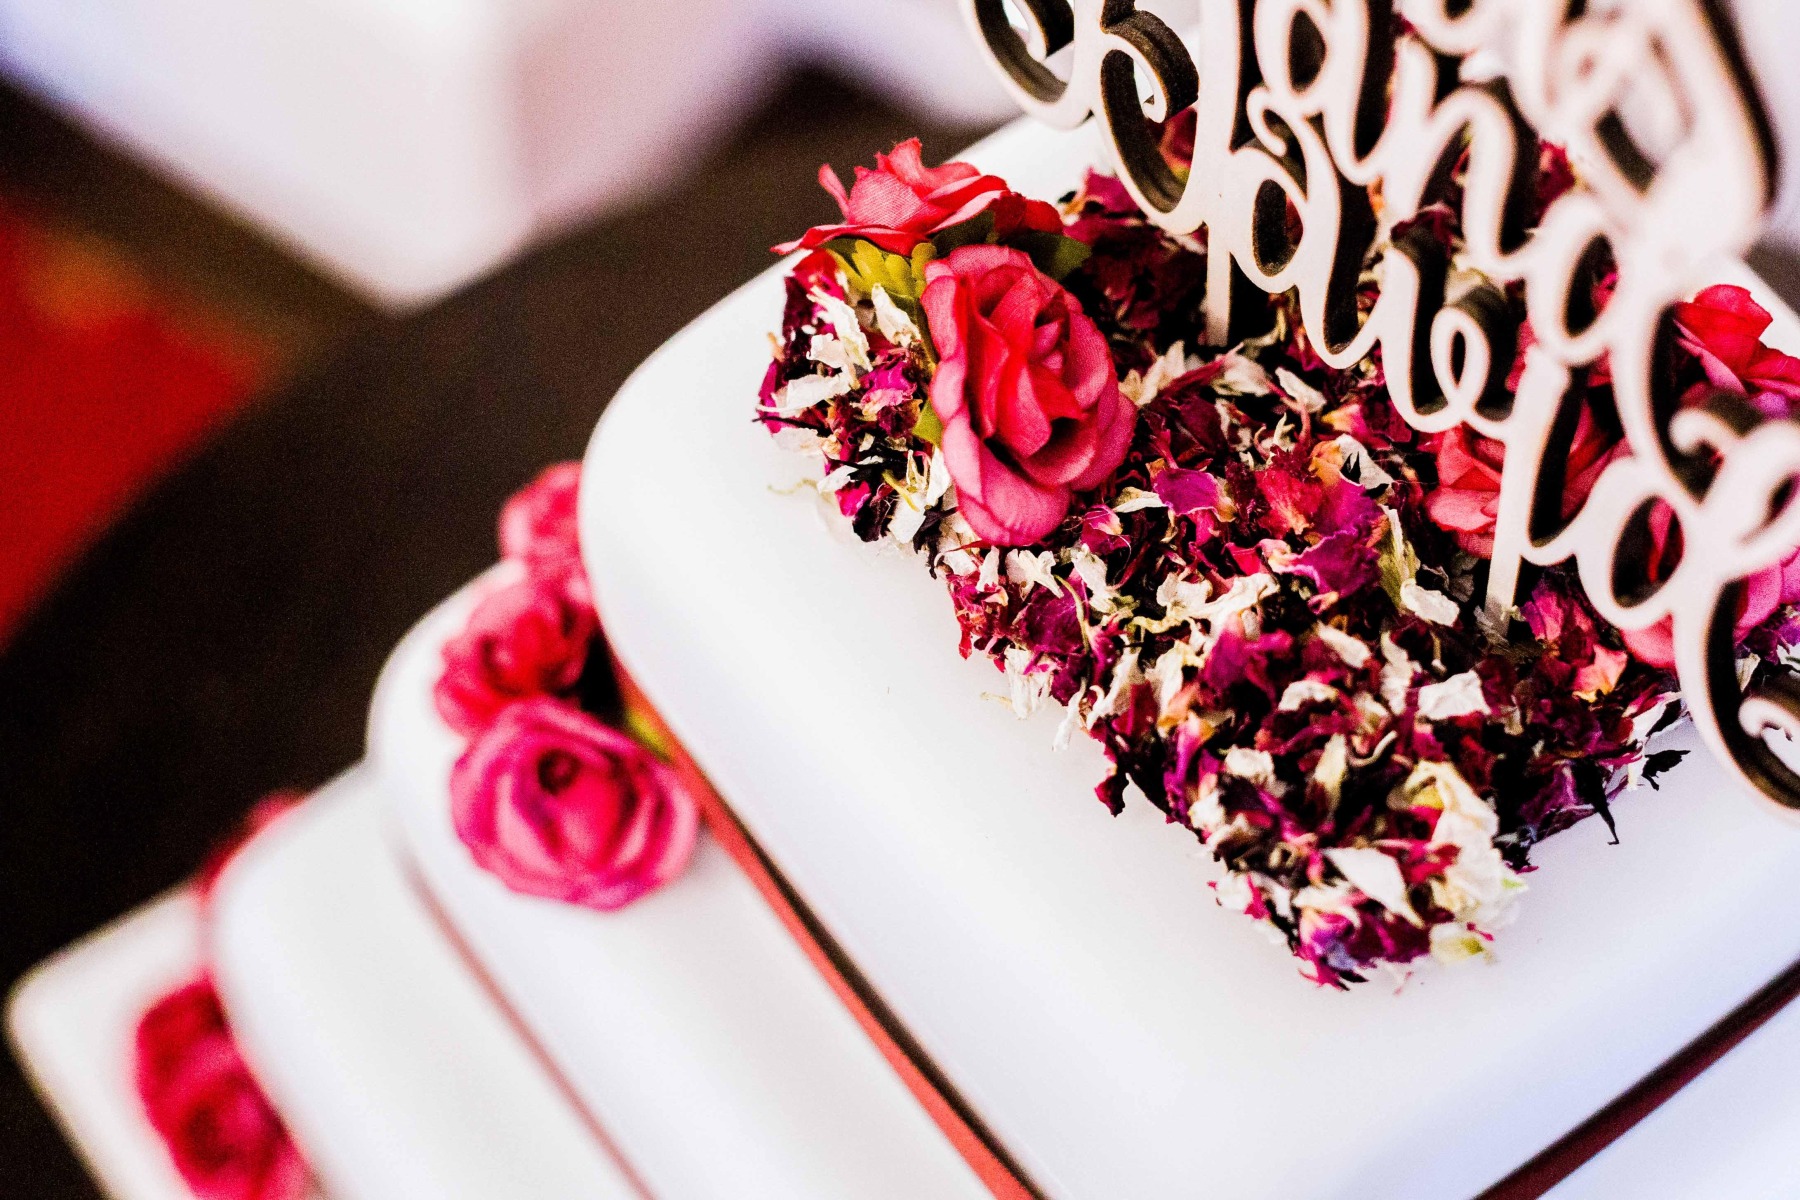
[
  {"x": 1068, "y": 970},
  {"x": 73, "y": 1022},
  {"x": 1730, "y": 1133},
  {"x": 393, "y": 1069}
]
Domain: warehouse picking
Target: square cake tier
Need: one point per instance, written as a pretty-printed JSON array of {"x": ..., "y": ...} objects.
[
  {"x": 1067, "y": 971},
  {"x": 688, "y": 1025}
]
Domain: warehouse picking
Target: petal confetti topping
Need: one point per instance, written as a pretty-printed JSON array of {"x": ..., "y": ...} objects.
[{"x": 1240, "y": 571}]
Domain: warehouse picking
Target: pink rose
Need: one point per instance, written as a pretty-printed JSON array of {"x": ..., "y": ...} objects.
[
  {"x": 1764, "y": 592},
  {"x": 539, "y": 525},
  {"x": 225, "y": 1139},
  {"x": 1467, "y": 498},
  {"x": 555, "y": 804},
  {"x": 530, "y": 638},
  {"x": 1723, "y": 328},
  {"x": 266, "y": 812},
  {"x": 1026, "y": 390},
  {"x": 902, "y": 202}
]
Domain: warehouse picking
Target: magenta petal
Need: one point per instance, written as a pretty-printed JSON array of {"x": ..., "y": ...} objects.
[{"x": 1466, "y": 511}]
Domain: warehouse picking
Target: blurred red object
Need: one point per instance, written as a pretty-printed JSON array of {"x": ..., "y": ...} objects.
[{"x": 105, "y": 384}]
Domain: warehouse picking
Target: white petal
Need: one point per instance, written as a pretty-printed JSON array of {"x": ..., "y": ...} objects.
[
  {"x": 842, "y": 319},
  {"x": 1027, "y": 570},
  {"x": 1125, "y": 675},
  {"x": 1457, "y": 696},
  {"x": 837, "y": 479},
  {"x": 1242, "y": 375},
  {"x": 1355, "y": 453},
  {"x": 1132, "y": 499},
  {"x": 1354, "y": 651},
  {"x": 1377, "y": 876},
  {"x": 1396, "y": 673},
  {"x": 808, "y": 391},
  {"x": 1333, "y": 765},
  {"x": 1435, "y": 607},
  {"x": 1258, "y": 766},
  {"x": 990, "y": 567},
  {"x": 1309, "y": 398},
  {"x": 1302, "y": 692},
  {"x": 892, "y": 320}
]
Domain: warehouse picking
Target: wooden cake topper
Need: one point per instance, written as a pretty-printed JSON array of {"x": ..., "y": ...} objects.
[{"x": 1355, "y": 115}]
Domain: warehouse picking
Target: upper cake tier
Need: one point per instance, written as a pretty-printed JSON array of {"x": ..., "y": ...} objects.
[{"x": 1064, "y": 969}]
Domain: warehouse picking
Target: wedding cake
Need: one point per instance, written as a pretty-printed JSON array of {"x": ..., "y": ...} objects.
[{"x": 1368, "y": 589}]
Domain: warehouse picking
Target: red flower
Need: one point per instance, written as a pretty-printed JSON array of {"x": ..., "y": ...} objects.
[
  {"x": 266, "y": 812},
  {"x": 528, "y": 639},
  {"x": 1723, "y": 328},
  {"x": 539, "y": 524},
  {"x": 555, "y": 804},
  {"x": 1467, "y": 498},
  {"x": 1764, "y": 592},
  {"x": 225, "y": 1138},
  {"x": 902, "y": 202},
  {"x": 1026, "y": 390}
]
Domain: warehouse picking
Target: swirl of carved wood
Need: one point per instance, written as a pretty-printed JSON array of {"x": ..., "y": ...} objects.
[{"x": 1326, "y": 104}]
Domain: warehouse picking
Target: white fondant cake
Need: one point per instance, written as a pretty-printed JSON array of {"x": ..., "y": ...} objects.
[
  {"x": 428, "y": 1033},
  {"x": 1069, "y": 972}
]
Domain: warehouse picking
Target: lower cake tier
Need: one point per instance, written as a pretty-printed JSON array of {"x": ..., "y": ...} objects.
[
  {"x": 1068, "y": 974},
  {"x": 391, "y": 1066},
  {"x": 409, "y": 1083},
  {"x": 73, "y": 1022},
  {"x": 689, "y": 1026}
]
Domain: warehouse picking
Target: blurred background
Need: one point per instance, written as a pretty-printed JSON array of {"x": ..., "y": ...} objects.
[{"x": 291, "y": 297}]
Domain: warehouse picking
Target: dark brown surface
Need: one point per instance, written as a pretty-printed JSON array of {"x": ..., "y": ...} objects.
[
  {"x": 223, "y": 639},
  {"x": 186, "y": 248}
]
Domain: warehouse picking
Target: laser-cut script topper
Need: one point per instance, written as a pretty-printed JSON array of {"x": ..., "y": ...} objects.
[{"x": 1314, "y": 103}]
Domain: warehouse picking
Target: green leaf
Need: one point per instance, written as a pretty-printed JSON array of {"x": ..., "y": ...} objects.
[
  {"x": 1398, "y": 564},
  {"x": 643, "y": 729},
  {"x": 1062, "y": 258},
  {"x": 1049, "y": 251},
  {"x": 867, "y": 266},
  {"x": 930, "y": 427},
  {"x": 972, "y": 232}
]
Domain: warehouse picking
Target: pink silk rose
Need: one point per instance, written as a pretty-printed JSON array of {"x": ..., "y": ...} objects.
[
  {"x": 902, "y": 202},
  {"x": 1723, "y": 328},
  {"x": 225, "y": 1139},
  {"x": 539, "y": 526},
  {"x": 1466, "y": 500},
  {"x": 1026, "y": 390},
  {"x": 555, "y": 804},
  {"x": 1764, "y": 592},
  {"x": 270, "y": 809},
  {"x": 530, "y": 638}
]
